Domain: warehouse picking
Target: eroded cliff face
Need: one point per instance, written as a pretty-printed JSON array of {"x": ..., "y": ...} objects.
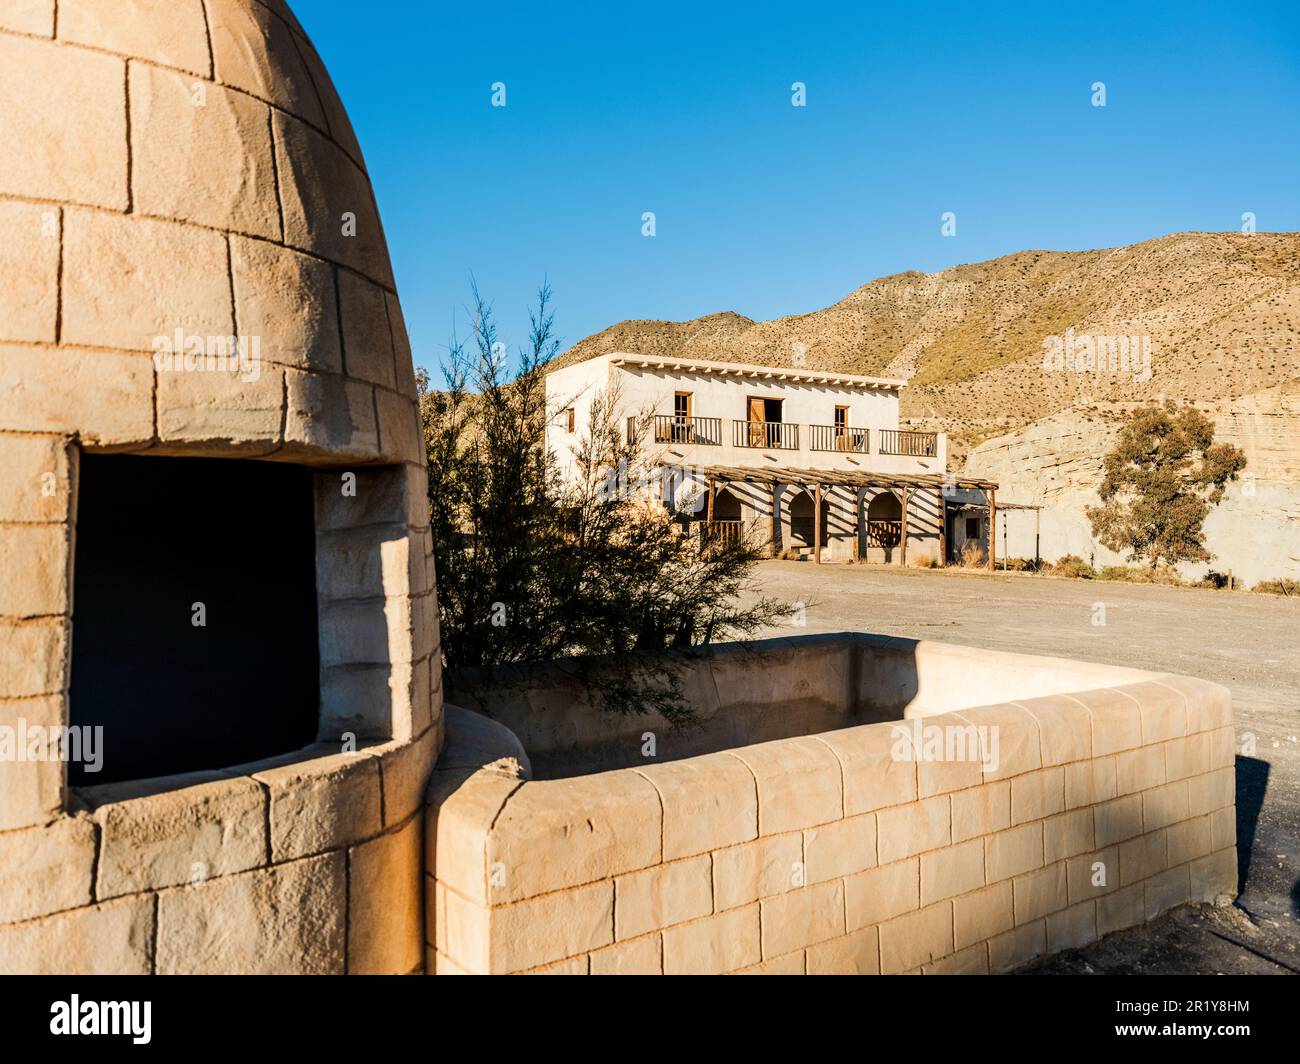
[{"x": 1057, "y": 461}]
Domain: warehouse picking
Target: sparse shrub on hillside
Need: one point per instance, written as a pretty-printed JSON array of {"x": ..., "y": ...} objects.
[
  {"x": 1281, "y": 586},
  {"x": 1162, "y": 478},
  {"x": 1071, "y": 565}
]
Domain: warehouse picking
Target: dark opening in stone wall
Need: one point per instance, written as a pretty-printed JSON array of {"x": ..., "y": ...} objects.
[{"x": 161, "y": 545}]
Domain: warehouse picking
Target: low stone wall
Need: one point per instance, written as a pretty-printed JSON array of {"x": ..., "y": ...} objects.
[{"x": 829, "y": 853}]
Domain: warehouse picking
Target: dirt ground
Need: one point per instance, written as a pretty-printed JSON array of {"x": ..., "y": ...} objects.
[{"x": 1249, "y": 643}]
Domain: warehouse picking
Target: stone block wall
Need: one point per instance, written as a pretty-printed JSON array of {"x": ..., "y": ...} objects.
[
  {"x": 186, "y": 166},
  {"x": 830, "y": 854}
]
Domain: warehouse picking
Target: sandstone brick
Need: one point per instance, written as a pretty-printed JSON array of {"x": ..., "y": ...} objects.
[
  {"x": 364, "y": 632},
  {"x": 709, "y": 802},
  {"x": 29, "y": 262},
  {"x": 722, "y": 943},
  {"x": 952, "y": 870},
  {"x": 287, "y": 299},
  {"x": 31, "y": 792},
  {"x": 1121, "y": 909},
  {"x": 911, "y": 829},
  {"x": 638, "y": 956},
  {"x": 176, "y": 829},
  {"x": 880, "y": 894},
  {"x": 385, "y": 915},
  {"x": 789, "y": 964},
  {"x": 560, "y": 833},
  {"x": 367, "y": 337},
  {"x": 45, "y": 869},
  {"x": 71, "y": 125},
  {"x": 906, "y": 942},
  {"x": 1014, "y": 948},
  {"x": 362, "y": 701},
  {"x": 1214, "y": 790},
  {"x": 271, "y": 921},
  {"x": 111, "y": 939},
  {"x": 1093, "y": 874},
  {"x": 1064, "y": 728},
  {"x": 1118, "y": 820},
  {"x": 1010, "y": 853},
  {"x": 320, "y": 800},
  {"x": 659, "y": 897},
  {"x": 1038, "y": 893},
  {"x": 210, "y": 163},
  {"x": 321, "y": 190},
  {"x": 336, "y": 116},
  {"x": 955, "y": 760},
  {"x": 1167, "y": 891},
  {"x": 1209, "y": 705},
  {"x": 1116, "y": 720},
  {"x": 35, "y": 566},
  {"x": 1188, "y": 756},
  {"x": 400, "y": 438},
  {"x": 1018, "y": 744},
  {"x": 37, "y": 478},
  {"x": 128, "y": 281},
  {"x": 463, "y": 933},
  {"x": 982, "y": 914},
  {"x": 1166, "y": 805},
  {"x": 254, "y": 51},
  {"x": 1223, "y": 828},
  {"x": 1189, "y": 840},
  {"x": 802, "y": 917},
  {"x": 1223, "y": 748},
  {"x": 404, "y": 767},
  {"x": 1090, "y": 782},
  {"x": 1072, "y": 928},
  {"x": 170, "y": 32},
  {"x": 403, "y": 362},
  {"x": 758, "y": 869},
  {"x": 1164, "y": 711},
  {"x": 35, "y": 652},
  {"x": 379, "y": 498},
  {"x": 981, "y": 811},
  {"x": 798, "y": 784},
  {"x": 29, "y": 16},
  {"x": 854, "y": 954},
  {"x": 103, "y": 396},
  {"x": 971, "y": 961},
  {"x": 351, "y": 562},
  {"x": 1139, "y": 769},
  {"x": 1067, "y": 835},
  {"x": 1037, "y": 795},
  {"x": 221, "y": 409},
  {"x": 840, "y": 848},
  {"x": 1214, "y": 875},
  {"x": 873, "y": 778}
]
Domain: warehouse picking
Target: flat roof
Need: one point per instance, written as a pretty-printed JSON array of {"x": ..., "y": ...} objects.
[{"x": 745, "y": 369}]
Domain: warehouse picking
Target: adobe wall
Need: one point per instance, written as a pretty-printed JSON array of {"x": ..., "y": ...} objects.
[{"x": 828, "y": 854}]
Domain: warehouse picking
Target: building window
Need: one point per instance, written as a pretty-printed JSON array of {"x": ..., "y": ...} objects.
[
  {"x": 682, "y": 406},
  {"x": 194, "y": 641},
  {"x": 568, "y": 419},
  {"x": 841, "y": 420},
  {"x": 972, "y": 528}
]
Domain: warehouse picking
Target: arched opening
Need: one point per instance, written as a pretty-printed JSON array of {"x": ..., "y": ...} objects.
[
  {"x": 727, "y": 523},
  {"x": 802, "y": 525},
  {"x": 885, "y": 523}
]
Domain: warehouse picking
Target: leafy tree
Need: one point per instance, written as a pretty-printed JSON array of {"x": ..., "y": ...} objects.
[
  {"x": 534, "y": 566},
  {"x": 1162, "y": 478}
]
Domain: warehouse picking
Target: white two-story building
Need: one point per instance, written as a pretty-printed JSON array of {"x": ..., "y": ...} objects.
[{"x": 806, "y": 461}]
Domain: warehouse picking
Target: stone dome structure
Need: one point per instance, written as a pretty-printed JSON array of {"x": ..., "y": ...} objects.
[{"x": 220, "y": 686}]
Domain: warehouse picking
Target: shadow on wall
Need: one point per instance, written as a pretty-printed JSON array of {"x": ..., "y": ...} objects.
[{"x": 1252, "y": 782}]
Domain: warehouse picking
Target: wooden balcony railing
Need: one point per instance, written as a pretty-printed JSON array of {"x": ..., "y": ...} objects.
[
  {"x": 838, "y": 438},
  {"x": 911, "y": 444},
  {"x": 669, "y": 428},
  {"x": 777, "y": 435},
  {"x": 721, "y": 533}
]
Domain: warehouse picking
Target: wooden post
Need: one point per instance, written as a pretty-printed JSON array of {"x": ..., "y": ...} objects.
[
  {"x": 943, "y": 529},
  {"x": 713, "y": 487},
  {"x": 776, "y": 519},
  {"x": 817, "y": 525},
  {"x": 1037, "y": 561},
  {"x": 993, "y": 524},
  {"x": 902, "y": 547},
  {"x": 857, "y": 528}
]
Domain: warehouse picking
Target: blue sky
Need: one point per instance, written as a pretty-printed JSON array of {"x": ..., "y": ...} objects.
[{"x": 767, "y": 209}]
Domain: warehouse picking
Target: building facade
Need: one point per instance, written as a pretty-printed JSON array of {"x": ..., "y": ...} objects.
[{"x": 805, "y": 461}]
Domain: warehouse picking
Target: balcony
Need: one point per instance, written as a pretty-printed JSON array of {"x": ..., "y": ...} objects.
[
  {"x": 838, "y": 438},
  {"x": 909, "y": 444},
  {"x": 669, "y": 428},
  {"x": 770, "y": 435}
]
